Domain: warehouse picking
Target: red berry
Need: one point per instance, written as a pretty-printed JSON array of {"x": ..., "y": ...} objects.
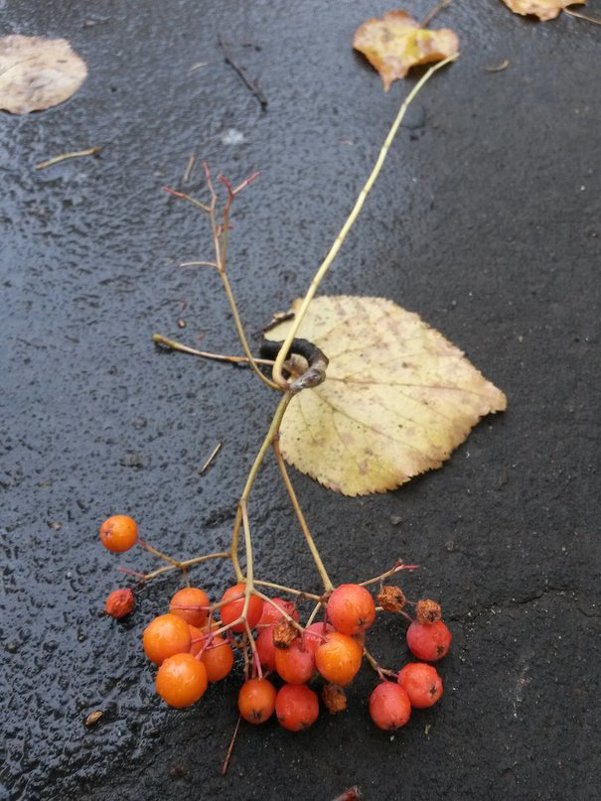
[
  {"x": 271, "y": 614},
  {"x": 120, "y": 603},
  {"x": 234, "y": 604},
  {"x": 266, "y": 648},
  {"x": 422, "y": 684},
  {"x": 389, "y": 706},
  {"x": 351, "y": 609},
  {"x": 119, "y": 533},
  {"x": 191, "y": 604},
  {"x": 296, "y": 707},
  {"x": 429, "y": 641},
  {"x": 256, "y": 700},
  {"x": 316, "y": 634},
  {"x": 181, "y": 680},
  {"x": 295, "y": 664}
]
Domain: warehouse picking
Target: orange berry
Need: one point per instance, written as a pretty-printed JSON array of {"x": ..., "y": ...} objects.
[
  {"x": 119, "y": 533},
  {"x": 165, "y": 636},
  {"x": 296, "y": 707},
  {"x": 338, "y": 659},
  {"x": 120, "y": 603},
  {"x": 181, "y": 680},
  {"x": 197, "y": 639},
  {"x": 256, "y": 700},
  {"x": 218, "y": 659},
  {"x": 191, "y": 604},
  {"x": 351, "y": 609},
  {"x": 234, "y": 604}
]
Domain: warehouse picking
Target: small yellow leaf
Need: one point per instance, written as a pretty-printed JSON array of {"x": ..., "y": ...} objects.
[
  {"x": 36, "y": 73},
  {"x": 397, "y": 400},
  {"x": 543, "y": 9},
  {"x": 395, "y": 43}
]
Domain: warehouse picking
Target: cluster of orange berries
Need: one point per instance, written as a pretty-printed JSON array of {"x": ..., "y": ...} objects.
[{"x": 193, "y": 649}]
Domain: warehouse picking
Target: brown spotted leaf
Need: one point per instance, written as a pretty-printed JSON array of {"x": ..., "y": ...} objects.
[
  {"x": 397, "y": 400},
  {"x": 543, "y": 9},
  {"x": 36, "y": 73},
  {"x": 395, "y": 43}
]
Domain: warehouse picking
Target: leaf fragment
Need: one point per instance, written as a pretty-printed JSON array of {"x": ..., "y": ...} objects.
[
  {"x": 93, "y": 718},
  {"x": 395, "y": 43},
  {"x": 543, "y": 9},
  {"x": 397, "y": 400},
  {"x": 36, "y": 73}
]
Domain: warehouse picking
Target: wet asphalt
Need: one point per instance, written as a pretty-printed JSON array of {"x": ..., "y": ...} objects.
[{"x": 486, "y": 221}]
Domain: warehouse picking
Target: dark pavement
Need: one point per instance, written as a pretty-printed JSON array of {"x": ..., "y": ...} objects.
[{"x": 486, "y": 221}]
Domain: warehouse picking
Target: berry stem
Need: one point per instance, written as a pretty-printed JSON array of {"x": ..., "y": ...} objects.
[
  {"x": 256, "y": 662},
  {"x": 333, "y": 252},
  {"x": 383, "y": 673},
  {"x": 159, "y": 554},
  {"x": 328, "y": 586},
  {"x": 313, "y": 614},
  {"x": 290, "y": 590},
  {"x": 288, "y": 618},
  {"x": 186, "y": 563},
  {"x": 250, "y": 480}
]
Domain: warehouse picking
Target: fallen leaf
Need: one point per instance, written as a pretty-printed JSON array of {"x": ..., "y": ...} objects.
[
  {"x": 543, "y": 9},
  {"x": 397, "y": 400},
  {"x": 395, "y": 43},
  {"x": 36, "y": 73}
]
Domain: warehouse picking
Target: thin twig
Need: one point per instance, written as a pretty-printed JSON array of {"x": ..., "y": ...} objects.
[
  {"x": 74, "y": 154},
  {"x": 593, "y": 20},
  {"x": 333, "y": 252},
  {"x": 435, "y": 11},
  {"x": 183, "y": 565},
  {"x": 220, "y": 234},
  {"x": 502, "y": 66},
  {"x": 184, "y": 196},
  {"x": 189, "y": 168},
  {"x": 230, "y": 749},
  {"x": 159, "y": 339},
  {"x": 210, "y": 459},
  {"x": 250, "y": 85},
  {"x": 396, "y": 568}
]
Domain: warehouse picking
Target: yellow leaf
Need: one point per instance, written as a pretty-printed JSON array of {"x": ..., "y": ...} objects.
[
  {"x": 395, "y": 43},
  {"x": 398, "y": 397},
  {"x": 543, "y": 9},
  {"x": 36, "y": 73}
]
